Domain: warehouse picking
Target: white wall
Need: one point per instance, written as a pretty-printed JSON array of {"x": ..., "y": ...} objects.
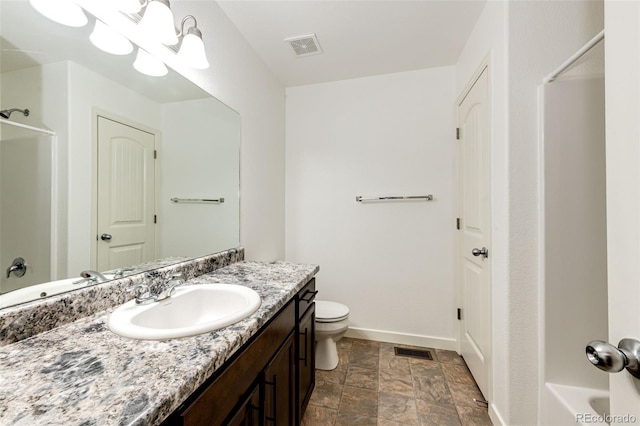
[
  {"x": 240, "y": 79},
  {"x": 542, "y": 35},
  {"x": 390, "y": 262}
]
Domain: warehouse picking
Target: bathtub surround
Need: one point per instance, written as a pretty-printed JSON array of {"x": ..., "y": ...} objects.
[
  {"x": 26, "y": 320},
  {"x": 98, "y": 377}
]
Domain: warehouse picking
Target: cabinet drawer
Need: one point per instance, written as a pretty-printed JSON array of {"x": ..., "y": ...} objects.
[{"x": 306, "y": 296}]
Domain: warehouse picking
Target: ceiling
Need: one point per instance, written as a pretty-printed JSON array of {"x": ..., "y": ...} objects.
[{"x": 359, "y": 37}]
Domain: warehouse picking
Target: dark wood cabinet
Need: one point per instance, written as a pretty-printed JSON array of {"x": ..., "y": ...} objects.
[
  {"x": 306, "y": 359},
  {"x": 280, "y": 386},
  {"x": 267, "y": 382},
  {"x": 250, "y": 412}
]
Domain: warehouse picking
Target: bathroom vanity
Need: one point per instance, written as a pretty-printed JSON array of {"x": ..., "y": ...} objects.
[
  {"x": 269, "y": 380},
  {"x": 259, "y": 369}
]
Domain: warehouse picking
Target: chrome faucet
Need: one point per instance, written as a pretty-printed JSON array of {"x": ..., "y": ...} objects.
[
  {"x": 169, "y": 287},
  {"x": 145, "y": 294}
]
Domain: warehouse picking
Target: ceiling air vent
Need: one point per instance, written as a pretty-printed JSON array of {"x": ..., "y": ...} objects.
[{"x": 305, "y": 45}]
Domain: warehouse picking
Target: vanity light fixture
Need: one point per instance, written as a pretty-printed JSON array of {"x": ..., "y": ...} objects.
[
  {"x": 65, "y": 12},
  {"x": 128, "y": 6},
  {"x": 157, "y": 22},
  {"x": 149, "y": 64},
  {"x": 110, "y": 41},
  {"x": 192, "y": 51}
]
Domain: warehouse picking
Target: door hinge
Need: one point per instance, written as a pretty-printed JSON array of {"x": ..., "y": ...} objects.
[
  {"x": 459, "y": 313},
  {"x": 155, "y": 218},
  {"x": 457, "y": 133},
  {"x": 155, "y": 154},
  {"x": 457, "y": 223}
]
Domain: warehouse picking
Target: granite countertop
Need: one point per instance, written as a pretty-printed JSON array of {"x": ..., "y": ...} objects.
[{"x": 83, "y": 374}]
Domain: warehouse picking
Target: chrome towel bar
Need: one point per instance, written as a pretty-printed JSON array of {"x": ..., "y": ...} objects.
[
  {"x": 429, "y": 197},
  {"x": 198, "y": 200}
]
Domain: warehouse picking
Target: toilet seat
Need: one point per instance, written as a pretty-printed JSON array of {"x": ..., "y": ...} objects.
[{"x": 327, "y": 312}]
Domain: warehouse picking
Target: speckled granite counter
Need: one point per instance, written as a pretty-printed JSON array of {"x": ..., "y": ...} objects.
[{"x": 83, "y": 374}]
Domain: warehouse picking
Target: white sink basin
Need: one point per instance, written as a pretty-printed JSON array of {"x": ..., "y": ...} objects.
[{"x": 192, "y": 310}]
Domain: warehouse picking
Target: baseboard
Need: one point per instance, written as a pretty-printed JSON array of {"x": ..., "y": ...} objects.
[
  {"x": 495, "y": 416},
  {"x": 402, "y": 338}
]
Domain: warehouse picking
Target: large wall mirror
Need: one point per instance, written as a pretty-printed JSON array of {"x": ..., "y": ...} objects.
[{"x": 110, "y": 168}]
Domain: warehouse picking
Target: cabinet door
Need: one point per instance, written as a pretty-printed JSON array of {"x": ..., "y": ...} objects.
[
  {"x": 249, "y": 412},
  {"x": 306, "y": 359},
  {"x": 279, "y": 386}
]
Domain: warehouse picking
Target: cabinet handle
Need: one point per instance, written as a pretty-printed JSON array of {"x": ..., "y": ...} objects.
[
  {"x": 304, "y": 358},
  {"x": 313, "y": 294},
  {"x": 274, "y": 383}
]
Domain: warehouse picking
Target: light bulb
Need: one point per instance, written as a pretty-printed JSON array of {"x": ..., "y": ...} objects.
[
  {"x": 64, "y": 12},
  {"x": 149, "y": 65},
  {"x": 108, "y": 40},
  {"x": 157, "y": 22},
  {"x": 129, "y": 6},
  {"x": 192, "y": 51}
]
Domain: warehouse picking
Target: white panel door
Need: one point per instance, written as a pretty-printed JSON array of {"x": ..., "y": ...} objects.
[
  {"x": 622, "y": 82},
  {"x": 126, "y": 195},
  {"x": 474, "y": 235}
]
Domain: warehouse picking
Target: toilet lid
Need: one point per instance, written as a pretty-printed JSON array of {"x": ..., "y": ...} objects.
[{"x": 330, "y": 311}]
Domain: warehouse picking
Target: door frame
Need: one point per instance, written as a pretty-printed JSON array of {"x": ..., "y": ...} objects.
[
  {"x": 95, "y": 113},
  {"x": 484, "y": 66}
]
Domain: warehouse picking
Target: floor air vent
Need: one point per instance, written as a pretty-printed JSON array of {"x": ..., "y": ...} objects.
[{"x": 415, "y": 353}]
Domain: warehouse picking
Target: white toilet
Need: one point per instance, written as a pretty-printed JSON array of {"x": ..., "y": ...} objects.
[{"x": 332, "y": 322}]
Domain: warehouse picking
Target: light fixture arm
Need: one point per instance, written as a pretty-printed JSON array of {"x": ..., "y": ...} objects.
[{"x": 191, "y": 30}]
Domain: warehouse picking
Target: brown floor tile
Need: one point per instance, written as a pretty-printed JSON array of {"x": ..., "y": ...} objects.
[
  {"x": 360, "y": 345},
  {"x": 437, "y": 414},
  {"x": 373, "y": 386},
  {"x": 432, "y": 389},
  {"x": 345, "y": 343},
  {"x": 464, "y": 394},
  {"x": 398, "y": 408},
  {"x": 451, "y": 357},
  {"x": 348, "y": 419},
  {"x": 365, "y": 378},
  {"x": 359, "y": 401},
  {"x": 364, "y": 359},
  {"x": 424, "y": 368},
  {"x": 399, "y": 384},
  {"x": 385, "y": 422},
  {"x": 319, "y": 416},
  {"x": 326, "y": 394},
  {"x": 458, "y": 373},
  {"x": 474, "y": 416},
  {"x": 396, "y": 365},
  {"x": 337, "y": 375}
]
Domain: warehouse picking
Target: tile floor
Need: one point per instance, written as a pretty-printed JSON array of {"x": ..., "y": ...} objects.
[{"x": 373, "y": 386}]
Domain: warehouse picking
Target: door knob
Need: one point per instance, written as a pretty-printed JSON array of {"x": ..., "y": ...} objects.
[
  {"x": 483, "y": 251},
  {"x": 608, "y": 358},
  {"x": 105, "y": 237}
]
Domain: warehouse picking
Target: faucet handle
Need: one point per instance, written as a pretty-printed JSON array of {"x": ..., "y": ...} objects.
[
  {"x": 142, "y": 292},
  {"x": 169, "y": 286}
]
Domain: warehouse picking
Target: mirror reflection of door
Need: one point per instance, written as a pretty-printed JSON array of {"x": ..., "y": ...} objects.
[{"x": 126, "y": 195}]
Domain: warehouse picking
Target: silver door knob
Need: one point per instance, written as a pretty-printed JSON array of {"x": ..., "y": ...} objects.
[
  {"x": 608, "y": 358},
  {"x": 105, "y": 237},
  {"x": 483, "y": 251}
]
